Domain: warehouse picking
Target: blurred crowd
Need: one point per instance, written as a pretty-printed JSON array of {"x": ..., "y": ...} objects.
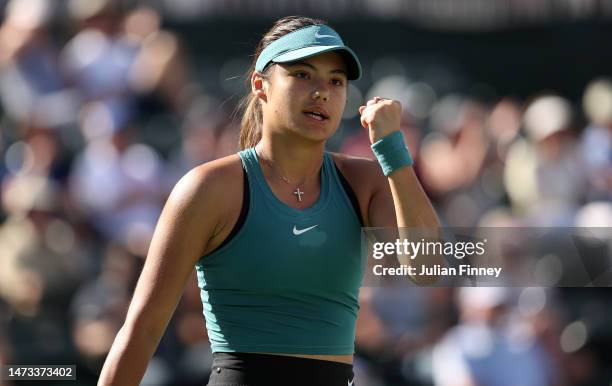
[{"x": 99, "y": 119}]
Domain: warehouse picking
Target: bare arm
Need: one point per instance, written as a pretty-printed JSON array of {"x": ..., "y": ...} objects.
[
  {"x": 399, "y": 200},
  {"x": 187, "y": 222},
  {"x": 402, "y": 201},
  {"x": 410, "y": 203}
]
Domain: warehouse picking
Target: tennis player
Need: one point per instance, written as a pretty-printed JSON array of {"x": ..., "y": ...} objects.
[{"x": 274, "y": 231}]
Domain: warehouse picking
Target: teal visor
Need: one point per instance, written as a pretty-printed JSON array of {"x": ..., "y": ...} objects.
[{"x": 307, "y": 42}]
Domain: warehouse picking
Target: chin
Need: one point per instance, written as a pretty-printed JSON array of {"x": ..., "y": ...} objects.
[
  {"x": 320, "y": 130},
  {"x": 316, "y": 133}
]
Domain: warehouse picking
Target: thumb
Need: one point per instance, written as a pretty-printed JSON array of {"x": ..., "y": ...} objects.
[
  {"x": 362, "y": 119},
  {"x": 361, "y": 108}
]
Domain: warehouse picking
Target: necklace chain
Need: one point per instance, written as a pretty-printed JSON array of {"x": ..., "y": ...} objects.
[{"x": 298, "y": 193}]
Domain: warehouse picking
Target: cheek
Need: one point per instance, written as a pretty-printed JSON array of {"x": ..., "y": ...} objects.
[
  {"x": 341, "y": 102},
  {"x": 280, "y": 98},
  {"x": 287, "y": 92}
]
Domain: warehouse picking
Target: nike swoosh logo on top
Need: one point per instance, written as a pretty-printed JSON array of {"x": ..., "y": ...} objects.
[
  {"x": 298, "y": 232},
  {"x": 323, "y": 36},
  {"x": 351, "y": 382}
]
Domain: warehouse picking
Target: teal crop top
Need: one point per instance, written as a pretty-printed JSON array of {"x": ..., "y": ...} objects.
[{"x": 288, "y": 281}]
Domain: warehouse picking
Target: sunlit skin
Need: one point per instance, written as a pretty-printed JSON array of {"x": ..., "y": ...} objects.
[
  {"x": 291, "y": 139},
  {"x": 289, "y": 90}
]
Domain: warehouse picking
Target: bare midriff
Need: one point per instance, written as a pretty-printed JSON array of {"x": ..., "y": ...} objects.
[{"x": 333, "y": 358}]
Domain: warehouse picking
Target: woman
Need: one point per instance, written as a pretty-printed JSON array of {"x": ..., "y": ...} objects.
[{"x": 274, "y": 231}]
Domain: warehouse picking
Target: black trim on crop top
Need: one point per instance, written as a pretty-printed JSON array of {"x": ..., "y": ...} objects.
[
  {"x": 351, "y": 194},
  {"x": 246, "y": 201}
]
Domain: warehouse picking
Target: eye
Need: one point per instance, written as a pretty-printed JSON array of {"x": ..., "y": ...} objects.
[
  {"x": 301, "y": 75},
  {"x": 337, "y": 82}
]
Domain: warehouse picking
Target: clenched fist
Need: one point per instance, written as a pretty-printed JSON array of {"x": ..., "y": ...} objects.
[{"x": 381, "y": 117}]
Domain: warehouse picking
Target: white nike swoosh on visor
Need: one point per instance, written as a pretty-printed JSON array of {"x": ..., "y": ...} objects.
[
  {"x": 323, "y": 36},
  {"x": 300, "y": 231},
  {"x": 350, "y": 383}
]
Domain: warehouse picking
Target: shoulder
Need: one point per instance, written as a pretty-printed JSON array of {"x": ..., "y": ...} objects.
[
  {"x": 197, "y": 210},
  {"x": 216, "y": 173},
  {"x": 365, "y": 178},
  {"x": 360, "y": 172},
  {"x": 209, "y": 184}
]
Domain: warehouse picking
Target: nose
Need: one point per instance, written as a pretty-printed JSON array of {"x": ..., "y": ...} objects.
[
  {"x": 321, "y": 88},
  {"x": 320, "y": 94}
]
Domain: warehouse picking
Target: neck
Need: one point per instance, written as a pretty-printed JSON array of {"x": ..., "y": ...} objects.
[{"x": 294, "y": 160}]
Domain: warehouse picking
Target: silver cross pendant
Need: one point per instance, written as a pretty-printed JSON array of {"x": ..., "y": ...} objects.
[{"x": 298, "y": 193}]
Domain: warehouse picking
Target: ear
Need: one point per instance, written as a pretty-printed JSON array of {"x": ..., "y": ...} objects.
[{"x": 258, "y": 85}]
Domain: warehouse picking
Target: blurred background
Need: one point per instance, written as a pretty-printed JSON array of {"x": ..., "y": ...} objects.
[{"x": 105, "y": 104}]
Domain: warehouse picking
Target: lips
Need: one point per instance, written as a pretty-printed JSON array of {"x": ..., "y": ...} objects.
[
  {"x": 317, "y": 112},
  {"x": 316, "y": 116}
]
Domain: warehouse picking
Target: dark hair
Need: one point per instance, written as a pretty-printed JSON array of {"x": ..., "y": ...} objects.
[{"x": 250, "y": 125}]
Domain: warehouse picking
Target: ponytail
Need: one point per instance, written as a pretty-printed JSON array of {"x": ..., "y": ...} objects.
[{"x": 250, "y": 125}]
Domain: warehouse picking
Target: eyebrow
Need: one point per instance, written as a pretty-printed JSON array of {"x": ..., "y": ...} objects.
[{"x": 306, "y": 64}]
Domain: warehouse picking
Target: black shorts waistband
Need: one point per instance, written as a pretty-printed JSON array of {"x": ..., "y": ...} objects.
[{"x": 254, "y": 369}]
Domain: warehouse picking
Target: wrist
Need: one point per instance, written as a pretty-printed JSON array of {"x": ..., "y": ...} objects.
[
  {"x": 377, "y": 135},
  {"x": 392, "y": 153}
]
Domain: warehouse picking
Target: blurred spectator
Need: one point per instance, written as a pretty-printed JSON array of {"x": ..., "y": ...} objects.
[
  {"x": 97, "y": 59},
  {"x": 395, "y": 323},
  {"x": 43, "y": 261},
  {"x": 160, "y": 65},
  {"x": 456, "y": 160},
  {"x": 544, "y": 176},
  {"x": 129, "y": 174},
  {"x": 596, "y": 143},
  {"x": 452, "y": 157},
  {"x": 32, "y": 87},
  {"x": 490, "y": 348},
  {"x": 40, "y": 242},
  {"x": 114, "y": 60},
  {"x": 99, "y": 307}
]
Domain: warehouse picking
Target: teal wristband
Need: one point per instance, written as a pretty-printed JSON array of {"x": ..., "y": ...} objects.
[{"x": 392, "y": 153}]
